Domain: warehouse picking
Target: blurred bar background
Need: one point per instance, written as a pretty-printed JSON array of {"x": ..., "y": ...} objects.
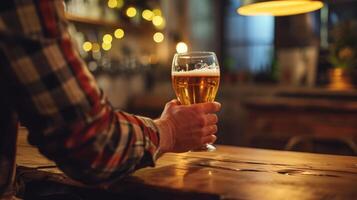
[{"x": 287, "y": 82}]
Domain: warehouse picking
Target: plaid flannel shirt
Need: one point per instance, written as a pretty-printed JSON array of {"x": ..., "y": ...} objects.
[{"x": 58, "y": 100}]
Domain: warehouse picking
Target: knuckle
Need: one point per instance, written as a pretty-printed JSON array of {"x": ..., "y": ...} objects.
[
  {"x": 175, "y": 112},
  {"x": 179, "y": 110},
  {"x": 204, "y": 108},
  {"x": 201, "y": 121},
  {"x": 214, "y": 118},
  {"x": 214, "y": 128},
  {"x": 217, "y": 107},
  {"x": 212, "y": 107}
]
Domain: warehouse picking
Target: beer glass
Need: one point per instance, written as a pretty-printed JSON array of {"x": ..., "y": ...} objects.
[{"x": 195, "y": 79}]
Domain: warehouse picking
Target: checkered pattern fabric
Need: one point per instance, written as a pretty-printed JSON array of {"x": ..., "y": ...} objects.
[{"x": 57, "y": 98}]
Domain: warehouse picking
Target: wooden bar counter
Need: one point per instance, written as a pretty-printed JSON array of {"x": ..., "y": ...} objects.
[{"x": 228, "y": 173}]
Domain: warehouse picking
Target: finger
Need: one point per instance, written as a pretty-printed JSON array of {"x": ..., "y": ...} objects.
[
  {"x": 210, "y": 119},
  {"x": 209, "y": 139},
  {"x": 209, "y": 130},
  {"x": 210, "y": 107}
]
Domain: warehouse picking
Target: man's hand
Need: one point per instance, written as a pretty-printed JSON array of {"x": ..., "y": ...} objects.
[{"x": 186, "y": 127}]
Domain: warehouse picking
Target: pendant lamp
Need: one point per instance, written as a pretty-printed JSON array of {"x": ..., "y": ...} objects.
[{"x": 278, "y": 7}]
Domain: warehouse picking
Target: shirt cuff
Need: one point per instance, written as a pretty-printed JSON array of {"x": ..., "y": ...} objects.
[{"x": 153, "y": 146}]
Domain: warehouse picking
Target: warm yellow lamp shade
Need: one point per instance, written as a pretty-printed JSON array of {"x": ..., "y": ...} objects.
[{"x": 279, "y": 7}]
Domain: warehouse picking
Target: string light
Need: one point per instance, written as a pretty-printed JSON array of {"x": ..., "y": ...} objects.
[
  {"x": 157, "y": 12},
  {"x": 147, "y": 15},
  {"x": 131, "y": 12},
  {"x": 107, "y": 38},
  {"x": 119, "y": 33},
  {"x": 120, "y": 3},
  {"x": 181, "y": 47},
  {"x": 157, "y": 20},
  {"x": 112, "y": 3},
  {"x": 87, "y": 46},
  {"x": 95, "y": 47},
  {"x": 106, "y": 46},
  {"x": 158, "y": 37},
  {"x": 162, "y": 25}
]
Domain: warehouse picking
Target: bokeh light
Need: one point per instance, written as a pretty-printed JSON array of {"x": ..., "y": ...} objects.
[
  {"x": 162, "y": 25},
  {"x": 107, "y": 38},
  {"x": 157, "y": 12},
  {"x": 157, "y": 20},
  {"x": 131, "y": 12},
  {"x": 106, "y": 46},
  {"x": 147, "y": 15},
  {"x": 181, "y": 47},
  {"x": 119, "y": 33},
  {"x": 95, "y": 47},
  {"x": 120, "y": 3},
  {"x": 112, "y": 3},
  {"x": 87, "y": 46},
  {"x": 158, "y": 37}
]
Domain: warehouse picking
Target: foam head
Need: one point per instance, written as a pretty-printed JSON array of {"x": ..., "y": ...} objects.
[{"x": 197, "y": 72}]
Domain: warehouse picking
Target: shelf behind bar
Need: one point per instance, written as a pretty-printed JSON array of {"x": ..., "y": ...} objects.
[{"x": 107, "y": 23}]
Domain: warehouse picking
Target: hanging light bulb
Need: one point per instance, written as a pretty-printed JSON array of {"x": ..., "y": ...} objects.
[{"x": 278, "y": 7}]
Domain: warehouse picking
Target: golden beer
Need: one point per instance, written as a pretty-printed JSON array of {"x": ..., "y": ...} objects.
[{"x": 195, "y": 86}]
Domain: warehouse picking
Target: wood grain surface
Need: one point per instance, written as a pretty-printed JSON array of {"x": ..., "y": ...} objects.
[{"x": 230, "y": 173}]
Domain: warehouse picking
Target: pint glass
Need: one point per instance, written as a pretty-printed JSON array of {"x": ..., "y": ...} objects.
[{"x": 195, "y": 79}]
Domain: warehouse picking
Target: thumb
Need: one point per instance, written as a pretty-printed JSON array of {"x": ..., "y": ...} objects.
[
  {"x": 169, "y": 106},
  {"x": 173, "y": 102}
]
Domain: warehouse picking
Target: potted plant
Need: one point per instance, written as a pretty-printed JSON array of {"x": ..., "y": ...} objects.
[{"x": 343, "y": 55}]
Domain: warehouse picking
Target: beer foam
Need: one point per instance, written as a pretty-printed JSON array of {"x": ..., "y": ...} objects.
[{"x": 197, "y": 72}]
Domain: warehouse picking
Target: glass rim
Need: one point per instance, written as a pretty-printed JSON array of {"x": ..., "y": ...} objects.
[{"x": 195, "y": 54}]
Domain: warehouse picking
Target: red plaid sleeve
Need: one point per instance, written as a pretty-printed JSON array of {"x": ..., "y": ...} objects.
[{"x": 57, "y": 98}]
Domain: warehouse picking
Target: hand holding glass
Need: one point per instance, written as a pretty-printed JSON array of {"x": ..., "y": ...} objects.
[{"x": 195, "y": 79}]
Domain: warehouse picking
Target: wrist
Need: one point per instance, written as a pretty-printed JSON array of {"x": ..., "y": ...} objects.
[{"x": 166, "y": 135}]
